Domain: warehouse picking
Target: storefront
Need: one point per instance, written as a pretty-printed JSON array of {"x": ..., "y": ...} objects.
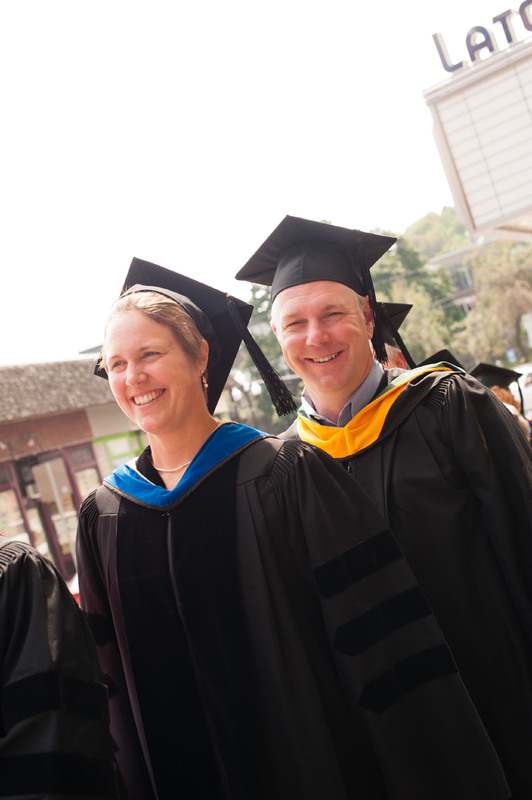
[
  {"x": 60, "y": 433},
  {"x": 40, "y": 495},
  {"x": 39, "y": 499}
]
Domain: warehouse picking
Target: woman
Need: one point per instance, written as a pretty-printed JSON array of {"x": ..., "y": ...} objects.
[{"x": 262, "y": 633}]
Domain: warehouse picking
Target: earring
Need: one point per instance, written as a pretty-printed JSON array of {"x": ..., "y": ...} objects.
[{"x": 204, "y": 381}]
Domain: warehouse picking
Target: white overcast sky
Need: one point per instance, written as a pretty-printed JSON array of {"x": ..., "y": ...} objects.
[{"x": 182, "y": 133}]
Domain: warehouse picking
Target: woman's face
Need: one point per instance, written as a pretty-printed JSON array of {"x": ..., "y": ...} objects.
[{"x": 152, "y": 380}]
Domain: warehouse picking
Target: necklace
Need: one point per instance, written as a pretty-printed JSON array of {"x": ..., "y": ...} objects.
[
  {"x": 174, "y": 469},
  {"x": 181, "y": 466}
]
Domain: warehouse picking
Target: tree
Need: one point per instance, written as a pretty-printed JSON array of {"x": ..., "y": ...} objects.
[
  {"x": 256, "y": 406},
  {"x": 435, "y": 234},
  {"x": 402, "y": 276},
  {"x": 503, "y": 280}
]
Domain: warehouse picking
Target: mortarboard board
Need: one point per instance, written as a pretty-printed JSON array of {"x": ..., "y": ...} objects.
[
  {"x": 441, "y": 355},
  {"x": 491, "y": 375},
  {"x": 392, "y": 316},
  {"x": 220, "y": 318},
  {"x": 303, "y": 251}
]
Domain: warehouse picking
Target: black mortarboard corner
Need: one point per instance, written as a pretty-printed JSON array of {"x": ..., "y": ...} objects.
[
  {"x": 220, "y": 318},
  {"x": 392, "y": 316},
  {"x": 303, "y": 251},
  {"x": 441, "y": 355},
  {"x": 491, "y": 375}
]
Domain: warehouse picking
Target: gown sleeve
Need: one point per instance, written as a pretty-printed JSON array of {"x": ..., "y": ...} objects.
[
  {"x": 394, "y": 665},
  {"x": 54, "y": 723},
  {"x": 495, "y": 459}
]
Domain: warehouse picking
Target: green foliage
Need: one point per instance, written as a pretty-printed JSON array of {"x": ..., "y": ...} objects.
[
  {"x": 435, "y": 234},
  {"x": 258, "y": 410},
  {"x": 401, "y": 276},
  {"x": 405, "y": 266},
  {"x": 503, "y": 281}
]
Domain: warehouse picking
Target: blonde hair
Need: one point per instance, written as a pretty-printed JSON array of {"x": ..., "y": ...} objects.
[{"x": 506, "y": 396}]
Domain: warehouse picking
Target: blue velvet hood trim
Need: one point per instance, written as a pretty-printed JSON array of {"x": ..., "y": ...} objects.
[{"x": 227, "y": 439}]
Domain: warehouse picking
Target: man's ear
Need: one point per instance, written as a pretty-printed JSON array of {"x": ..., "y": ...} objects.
[
  {"x": 272, "y": 321},
  {"x": 368, "y": 317}
]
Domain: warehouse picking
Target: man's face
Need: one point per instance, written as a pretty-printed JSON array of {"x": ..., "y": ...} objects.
[{"x": 324, "y": 330}]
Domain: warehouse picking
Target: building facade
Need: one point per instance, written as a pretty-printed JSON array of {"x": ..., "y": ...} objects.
[
  {"x": 483, "y": 126},
  {"x": 61, "y": 432}
]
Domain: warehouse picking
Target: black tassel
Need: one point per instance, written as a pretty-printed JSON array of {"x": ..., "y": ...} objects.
[
  {"x": 279, "y": 392},
  {"x": 402, "y": 346}
]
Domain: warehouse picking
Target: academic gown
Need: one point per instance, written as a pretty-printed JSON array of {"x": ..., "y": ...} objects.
[
  {"x": 451, "y": 473},
  {"x": 263, "y": 637},
  {"x": 54, "y": 719}
]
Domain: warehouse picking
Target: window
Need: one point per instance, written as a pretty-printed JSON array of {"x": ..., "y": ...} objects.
[
  {"x": 11, "y": 519},
  {"x": 121, "y": 449},
  {"x": 87, "y": 480},
  {"x": 81, "y": 455}
]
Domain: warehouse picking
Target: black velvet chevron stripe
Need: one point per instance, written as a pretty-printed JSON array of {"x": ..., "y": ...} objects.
[
  {"x": 50, "y": 691},
  {"x": 407, "y": 675},
  {"x": 366, "y": 630},
  {"x": 56, "y": 773},
  {"x": 352, "y": 566}
]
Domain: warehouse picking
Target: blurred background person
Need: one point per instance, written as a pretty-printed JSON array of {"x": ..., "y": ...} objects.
[
  {"x": 54, "y": 722},
  {"x": 499, "y": 380}
]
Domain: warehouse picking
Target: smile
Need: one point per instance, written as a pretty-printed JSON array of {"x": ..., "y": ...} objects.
[
  {"x": 143, "y": 399},
  {"x": 325, "y": 359}
]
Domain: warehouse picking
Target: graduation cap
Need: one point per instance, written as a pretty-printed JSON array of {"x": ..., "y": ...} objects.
[
  {"x": 392, "y": 316},
  {"x": 303, "y": 251},
  {"x": 491, "y": 375},
  {"x": 220, "y": 318},
  {"x": 441, "y": 355}
]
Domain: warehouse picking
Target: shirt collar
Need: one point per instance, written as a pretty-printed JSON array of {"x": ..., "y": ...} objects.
[{"x": 356, "y": 402}]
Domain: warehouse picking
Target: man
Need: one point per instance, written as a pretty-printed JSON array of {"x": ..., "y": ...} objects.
[
  {"x": 54, "y": 722},
  {"x": 436, "y": 453}
]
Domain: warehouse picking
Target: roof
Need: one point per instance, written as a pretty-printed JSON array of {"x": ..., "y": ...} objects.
[{"x": 37, "y": 390}]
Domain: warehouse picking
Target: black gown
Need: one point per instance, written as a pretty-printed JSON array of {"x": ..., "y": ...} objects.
[
  {"x": 54, "y": 718},
  {"x": 264, "y": 637},
  {"x": 451, "y": 473}
]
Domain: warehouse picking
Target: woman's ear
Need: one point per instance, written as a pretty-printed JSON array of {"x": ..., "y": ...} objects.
[{"x": 203, "y": 355}]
